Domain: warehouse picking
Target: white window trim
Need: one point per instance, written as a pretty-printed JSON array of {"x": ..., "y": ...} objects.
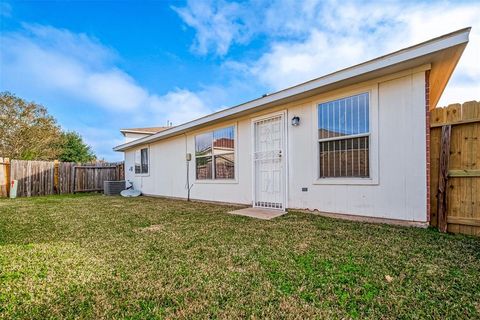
[
  {"x": 373, "y": 144},
  {"x": 149, "y": 161},
  {"x": 235, "y": 152}
]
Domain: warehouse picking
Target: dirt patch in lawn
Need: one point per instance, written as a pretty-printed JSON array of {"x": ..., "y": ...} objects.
[{"x": 152, "y": 228}]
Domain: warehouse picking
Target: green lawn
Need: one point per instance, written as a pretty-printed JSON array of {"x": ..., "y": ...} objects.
[{"x": 90, "y": 256}]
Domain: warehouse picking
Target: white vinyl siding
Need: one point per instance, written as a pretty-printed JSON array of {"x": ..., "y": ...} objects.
[{"x": 396, "y": 188}]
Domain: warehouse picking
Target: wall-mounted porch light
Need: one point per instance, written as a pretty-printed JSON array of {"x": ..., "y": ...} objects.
[{"x": 295, "y": 121}]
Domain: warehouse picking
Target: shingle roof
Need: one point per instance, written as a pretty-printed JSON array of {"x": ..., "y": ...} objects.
[{"x": 150, "y": 130}]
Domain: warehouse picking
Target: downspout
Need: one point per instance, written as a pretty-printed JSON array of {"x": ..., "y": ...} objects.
[{"x": 188, "y": 158}]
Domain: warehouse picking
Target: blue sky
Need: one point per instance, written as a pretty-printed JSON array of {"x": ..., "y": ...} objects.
[{"x": 99, "y": 66}]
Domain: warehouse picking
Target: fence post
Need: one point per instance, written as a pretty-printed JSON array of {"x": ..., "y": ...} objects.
[
  {"x": 7, "y": 174},
  {"x": 55, "y": 177},
  {"x": 119, "y": 171},
  {"x": 443, "y": 178},
  {"x": 74, "y": 176}
]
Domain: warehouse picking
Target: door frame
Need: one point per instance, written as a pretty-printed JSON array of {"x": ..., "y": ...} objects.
[{"x": 284, "y": 114}]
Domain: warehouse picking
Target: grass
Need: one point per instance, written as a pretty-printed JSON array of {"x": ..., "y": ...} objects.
[{"x": 90, "y": 256}]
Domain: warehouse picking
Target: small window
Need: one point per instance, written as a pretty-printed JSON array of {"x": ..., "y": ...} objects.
[
  {"x": 141, "y": 161},
  {"x": 344, "y": 137},
  {"x": 215, "y": 155}
]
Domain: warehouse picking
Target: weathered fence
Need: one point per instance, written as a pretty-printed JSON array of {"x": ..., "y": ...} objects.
[
  {"x": 36, "y": 178},
  {"x": 455, "y": 172},
  {"x": 91, "y": 178},
  {"x": 4, "y": 176}
]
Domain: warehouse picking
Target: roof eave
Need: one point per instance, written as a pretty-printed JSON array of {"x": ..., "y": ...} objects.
[
  {"x": 370, "y": 67},
  {"x": 135, "y": 131}
]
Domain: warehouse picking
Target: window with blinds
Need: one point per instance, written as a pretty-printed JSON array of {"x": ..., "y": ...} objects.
[
  {"x": 215, "y": 155},
  {"x": 344, "y": 137}
]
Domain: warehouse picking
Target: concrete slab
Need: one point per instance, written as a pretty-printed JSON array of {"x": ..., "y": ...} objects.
[{"x": 264, "y": 214}]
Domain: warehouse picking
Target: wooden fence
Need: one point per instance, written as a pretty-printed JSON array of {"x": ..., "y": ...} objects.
[
  {"x": 455, "y": 172},
  {"x": 4, "y": 176},
  {"x": 38, "y": 178}
]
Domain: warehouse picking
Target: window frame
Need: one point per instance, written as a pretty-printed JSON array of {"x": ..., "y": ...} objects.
[
  {"x": 372, "y": 134},
  {"x": 235, "y": 153},
  {"x": 149, "y": 159}
]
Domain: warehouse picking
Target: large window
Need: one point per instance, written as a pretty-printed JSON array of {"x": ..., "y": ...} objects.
[
  {"x": 141, "y": 161},
  {"x": 215, "y": 154},
  {"x": 344, "y": 137}
]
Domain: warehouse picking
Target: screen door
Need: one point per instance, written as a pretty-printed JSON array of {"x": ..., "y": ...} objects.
[{"x": 268, "y": 161}]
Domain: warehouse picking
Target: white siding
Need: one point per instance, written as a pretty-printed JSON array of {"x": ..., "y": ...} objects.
[
  {"x": 397, "y": 192},
  {"x": 134, "y": 136}
]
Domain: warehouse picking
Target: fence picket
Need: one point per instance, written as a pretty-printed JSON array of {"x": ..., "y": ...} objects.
[
  {"x": 4, "y": 176},
  {"x": 462, "y": 190},
  {"x": 38, "y": 178}
]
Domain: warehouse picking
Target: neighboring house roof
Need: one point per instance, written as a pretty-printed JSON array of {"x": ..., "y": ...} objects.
[
  {"x": 440, "y": 54},
  {"x": 224, "y": 143},
  {"x": 149, "y": 131}
]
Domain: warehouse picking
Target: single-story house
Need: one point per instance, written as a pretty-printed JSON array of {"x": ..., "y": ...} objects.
[{"x": 353, "y": 142}]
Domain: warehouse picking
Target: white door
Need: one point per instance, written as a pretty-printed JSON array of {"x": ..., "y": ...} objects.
[{"x": 268, "y": 162}]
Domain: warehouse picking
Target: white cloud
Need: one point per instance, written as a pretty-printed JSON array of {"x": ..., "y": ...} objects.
[
  {"x": 217, "y": 25},
  {"x": 424, "y": 24},
  {"x": 182, "y": 105},
  {"x": 75, "y": 64},
  {"x": 297, "y": 41},
  {"x": 115, "y": 89},
  {"x": 101, "y": 140},
  {"x": 51, "y": 62},
  {"x": 307, "y": 39},
  {"x": 343, "y": 40},
  {"x": 289, "y": 63},
  {"x": 80, "y": 67}
]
